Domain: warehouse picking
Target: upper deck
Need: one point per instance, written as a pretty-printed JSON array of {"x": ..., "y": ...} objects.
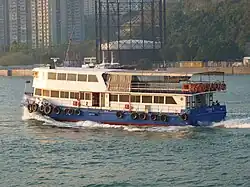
[{"x": 120, "y": 80}]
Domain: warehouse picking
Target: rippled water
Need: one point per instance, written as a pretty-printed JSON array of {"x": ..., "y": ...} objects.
[{"x": 37, "y": 151}]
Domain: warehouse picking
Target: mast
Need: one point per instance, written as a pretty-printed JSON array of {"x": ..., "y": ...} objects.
[{"x": 69, "y": 44}]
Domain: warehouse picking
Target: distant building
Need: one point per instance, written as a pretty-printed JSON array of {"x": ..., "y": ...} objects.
[
  {"x": 40, "y": 27},
  {"x": 67, "y": 17},
  {"x": 18, "y": 11},
  {"x": 4, "y": 33},
  {"x": 89, "y": 7}
]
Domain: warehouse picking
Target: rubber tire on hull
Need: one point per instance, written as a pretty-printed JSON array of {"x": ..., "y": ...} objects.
[
  {"x": 134, "y": 115},
  {"x": 154, "y": 117},
  {"x": 119, "y": 114},
  {"x": 143, "y": 116},
  {"x": 77, "y": 112},
  {"x": 47, "y": 109},
  {"x": 30, "y": 109},
  {"x": 164, "y": 118},
  {"x": 35, "y": 107},
  {"x": 57, "y": 110},
  {"x": 41, "y": 108},
  {"x": 184, "y": 117}
]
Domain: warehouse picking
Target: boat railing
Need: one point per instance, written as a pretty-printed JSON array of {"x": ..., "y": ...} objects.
[
  {"x": 138, "y": 107},
  {"x": 156, "y": 86},
  {"x": 192, "y": 86}
]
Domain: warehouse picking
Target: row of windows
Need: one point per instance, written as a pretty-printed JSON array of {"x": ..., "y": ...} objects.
[
  {"x": 63, "y": 94},
  {"x": 72, "y": 77},
  {"x": 143, "y": 99},
  {"x": 112, "y": 98}
]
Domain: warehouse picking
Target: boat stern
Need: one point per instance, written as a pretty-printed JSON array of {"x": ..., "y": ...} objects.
[{"x": 208, "y": 115}]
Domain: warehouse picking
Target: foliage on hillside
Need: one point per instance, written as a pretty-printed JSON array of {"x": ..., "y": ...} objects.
[
  {"x": 21, "y": 54},
  {"x": 16, "y": 58},
  {"x": 210, "y": 32}
]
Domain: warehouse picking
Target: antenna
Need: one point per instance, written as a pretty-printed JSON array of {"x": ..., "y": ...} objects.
[{"x": 69, "y": 44}]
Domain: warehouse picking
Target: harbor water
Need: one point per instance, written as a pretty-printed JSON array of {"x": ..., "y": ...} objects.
[{"x": 37, "y": 151}]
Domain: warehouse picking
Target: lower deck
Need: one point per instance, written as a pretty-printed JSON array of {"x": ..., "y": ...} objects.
[{"x": 202, "y": 115}]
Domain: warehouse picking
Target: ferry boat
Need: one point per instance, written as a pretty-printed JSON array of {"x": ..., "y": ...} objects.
[{"x": 126, "y": 97}]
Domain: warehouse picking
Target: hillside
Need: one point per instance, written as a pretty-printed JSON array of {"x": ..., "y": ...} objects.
[{"x": 207, "y": 31}]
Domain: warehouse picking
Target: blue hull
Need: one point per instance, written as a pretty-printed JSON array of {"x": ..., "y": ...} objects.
[{"x": 196, "y": 117}]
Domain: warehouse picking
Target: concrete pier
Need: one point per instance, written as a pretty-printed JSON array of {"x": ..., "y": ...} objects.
[{"x": 16, "y": 72}]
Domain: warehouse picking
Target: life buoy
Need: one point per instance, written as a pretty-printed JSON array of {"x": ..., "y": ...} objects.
[
  {"x": 154, "y": 117},
  {"x": 35, "y": 107},
  {"x": 210, "y": 87},
  {"x": 57, "y": 110},
  {"x": 207, "y": 87},
  {"x": 184, "y": 117},
  {"x": 47, "y": 109},
  {"x": 134, "y": 115},
  {"x": 164, "y": 118},
  {"x": 196, "y": 88},
  {"x": 119, "y": 114},
  {"x": 204, "y": 86},
  {"x": 30, "y": 109},
  {"x": 193, "y": 88},
  {"x": 216, "y": 86},
  {"x": 78, "y": 102},
  {"x": 143, "y": 116},
  {"x": 78, "y": 112},
  {"x": 200, "y": 88}
]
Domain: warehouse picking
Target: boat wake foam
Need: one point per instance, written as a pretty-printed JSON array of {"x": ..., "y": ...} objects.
[
  {"x": 243, "y": 123},
  {"x": 93, "y": 125}
]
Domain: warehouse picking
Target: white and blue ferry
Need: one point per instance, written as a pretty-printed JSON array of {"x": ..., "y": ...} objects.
[{"x": 126, "y": 97}]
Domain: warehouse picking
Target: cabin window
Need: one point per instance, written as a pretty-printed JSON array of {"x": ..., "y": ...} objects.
[
  {"x": 92, "y": 78},
  {"x": 52, "y": 76},
  {"x": 61, "y": 76},
  {"x": 64, "y": 95},
  {"x": 123, "y": 98},
  {"x": 170, "y": 100},
  {"x": 38, "y": 91},
  {"x": 87, "y": 96},
  {"x": 146, "y": 99},
  {"x": 135, "y": 98},
  {"x": 159, "y": 99},
  {"x": 113, "y": 98},
  {"x": 82, "y": 77},
  {"x": 82, "y": 95},
  {"x": 74, "y": 95},
  {"x": 46, "y": 93},
  {"x": 71, "y": 77},
  {"x": 54, "y": 93}
]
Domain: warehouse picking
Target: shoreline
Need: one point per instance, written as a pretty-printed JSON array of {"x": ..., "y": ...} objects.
[{"x": 241, "y": 70}]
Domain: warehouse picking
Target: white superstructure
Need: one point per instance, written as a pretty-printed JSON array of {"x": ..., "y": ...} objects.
[{"x": 111, "y": 89}]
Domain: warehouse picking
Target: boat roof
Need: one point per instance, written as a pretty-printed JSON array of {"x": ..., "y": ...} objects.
[
  {"x": 165, "y": 73},
  {"x": 128, "y": 72}
]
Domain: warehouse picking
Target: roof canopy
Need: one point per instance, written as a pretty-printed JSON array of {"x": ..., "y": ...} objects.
[{"x": 165, "y": 73}]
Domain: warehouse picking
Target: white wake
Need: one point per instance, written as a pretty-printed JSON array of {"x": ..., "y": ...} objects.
[{"x": 243, "y": 123}]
